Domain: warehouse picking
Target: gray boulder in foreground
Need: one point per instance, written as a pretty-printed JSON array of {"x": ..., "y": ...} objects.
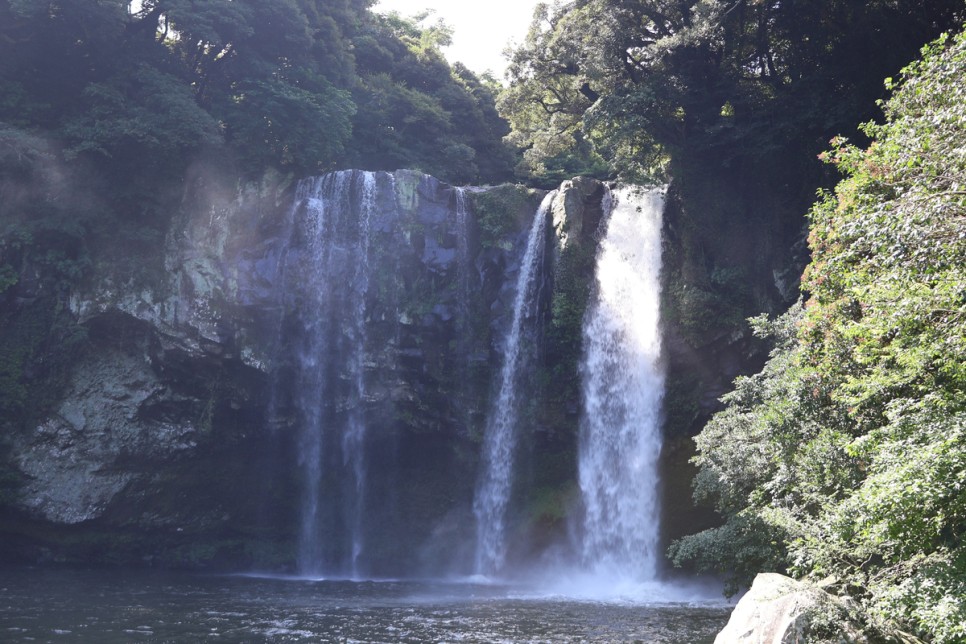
[{"x": 780, "y": 610}]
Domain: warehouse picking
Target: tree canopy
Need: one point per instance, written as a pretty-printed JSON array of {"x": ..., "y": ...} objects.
[
  {"x": 298, "y": 85},
  {"x": 638, "y": 81}
]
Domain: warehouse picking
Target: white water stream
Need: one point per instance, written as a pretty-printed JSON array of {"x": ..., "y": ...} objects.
[
  {"x": 623, "y": 386},
  {"x": 335, "y": 241},
  {"x": 500, "y": 438},
  {"x": 621, "y": 372}
]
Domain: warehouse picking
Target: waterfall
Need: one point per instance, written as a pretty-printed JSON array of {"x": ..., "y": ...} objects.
[
  {"x": 353, "y": 438},
  {"x": 500, "y": 438},
  {"x": 623, "y": 384},
  {"x": 462, "y": 250},
  {"x": 383, "y": 360},
  {"x": 464, "y": 345},
  {"x": 331, "y": 279}
]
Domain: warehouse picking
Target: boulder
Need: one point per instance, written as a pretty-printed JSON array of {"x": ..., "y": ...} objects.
[{"x": 780, "y": 610}]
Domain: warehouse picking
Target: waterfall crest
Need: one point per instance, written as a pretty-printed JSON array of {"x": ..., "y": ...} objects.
[
  {"x": 623, "y": 385},
  {"x": 500, "y": 437}
]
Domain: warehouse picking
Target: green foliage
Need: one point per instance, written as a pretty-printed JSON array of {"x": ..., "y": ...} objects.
[
  {"x": 850, "y": 445},
  {"x": 706, "y": 301},
  {"x": 740, "y": 453},
  {"x": 141, "y": 113},
  {"x": 498, "y": 212},
  {"x": 637, "y": 82},
  {"x": 36, "y": 349},
  {"x": 417, "y": 111},
  {"x": 49, "y": 51},
  {"x": 573, "y": 276},
  {"x": 927, "y": 591},
  {"x": 681, "y": 410},
  {"x": 573, "y": 281},
  {"x": 22, "y": 159},
  {"x": 41, "y": 256},
  {"x": 276, "y": 122},
  {"x": 737, "y": 550},
  {"x": 295, "y": 85}
]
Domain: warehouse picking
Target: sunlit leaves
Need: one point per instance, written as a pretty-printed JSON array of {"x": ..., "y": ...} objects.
[
  {"x": 417, "y": 111},
  {"x": 296, "y": 85}
]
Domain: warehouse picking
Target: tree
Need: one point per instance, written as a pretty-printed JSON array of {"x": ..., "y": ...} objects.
[
  {"x": 50, "y": 51},
  {"x": 141, "y": 113}
]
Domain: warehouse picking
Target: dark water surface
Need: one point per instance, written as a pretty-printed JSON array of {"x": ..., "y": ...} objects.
[{"x": 116, "y": 606}]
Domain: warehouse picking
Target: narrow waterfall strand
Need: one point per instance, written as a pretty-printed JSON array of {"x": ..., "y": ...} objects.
[
  {"x": 500, "y": 439},
  {"x": 354, "y": 437},
  {"x": 314, "y": 229}
]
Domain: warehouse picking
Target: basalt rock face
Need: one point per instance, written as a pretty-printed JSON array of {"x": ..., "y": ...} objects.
[
  {"x": 146, "y": 442},
  {"x": 169, "y": 437},
  {"x": 732, "y": 251}
]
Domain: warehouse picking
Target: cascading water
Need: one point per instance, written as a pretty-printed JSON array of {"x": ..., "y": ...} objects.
[
  {"x": 500, "y": 438},
  {"x": 380, "y": 320},
  {"x": 353, "y": 439},
  {"x": 332, "y": 229},
  {"x": 462, "y": 249},
  {"x": 463, "y": 314},
  {"x": 623, "y": 385}
]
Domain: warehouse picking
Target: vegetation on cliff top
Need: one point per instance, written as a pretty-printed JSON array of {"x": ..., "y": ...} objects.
[
  {"x": 139, "y": 89},
  {"x": 845, "y": 458}
]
